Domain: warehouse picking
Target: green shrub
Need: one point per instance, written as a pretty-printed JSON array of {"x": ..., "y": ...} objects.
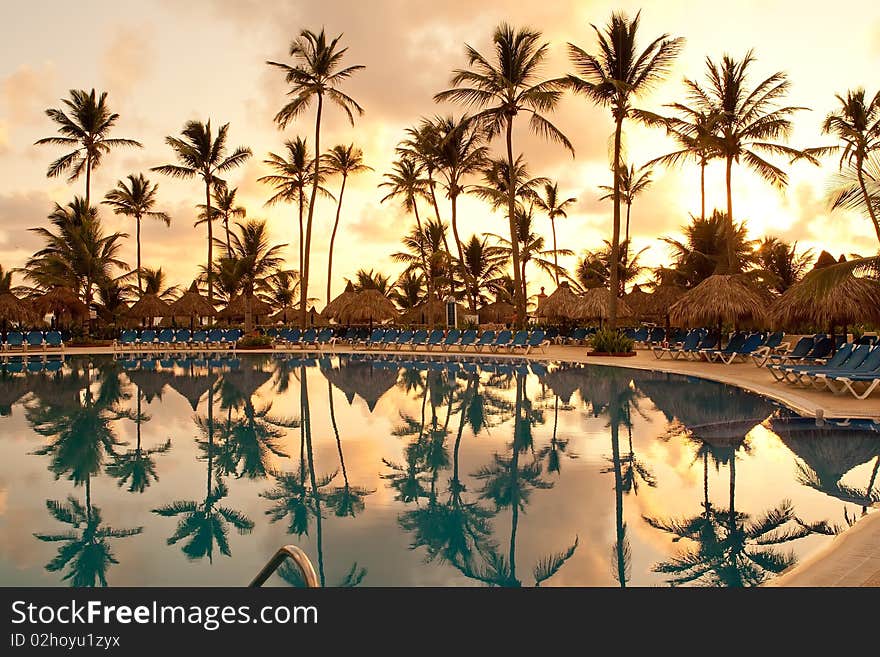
[
  {"x": 254, "y": 340},
  {"x": 611, "y": 342}
]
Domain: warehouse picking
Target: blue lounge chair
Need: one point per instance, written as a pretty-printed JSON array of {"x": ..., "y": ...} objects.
[
  {"x": 419, "y": 339},
  {"x": 349, "y": 337},
  {"x": 309, "y": 338},
  {"x": 850, "y": 372},
  {"x": 519, "y": 341},
  {"x": 451, "y": 339},
  {"x": 182, "y": 338},
  {"x": 537, "y": 340},
  {"x": 326, "y": 336},
  {"x": 502, "y": 340},
  {"x": 735, "y": 342},
  {"x": 577, "y": 336},
  {"x": 655, "y": 336},
  {"x": 468, "y": 339},
  {"x": 14, "y": 340},
  {"x": 388, "y": 339},
  {"x": 822, "y": 348},
  {"x": 788, "y": 355},
  {"x": 127, "y": 339},
  {"x": 34, "y": 339},
  {"x": 434, "y": 339},
  {"x": 165, "y": 338},
  {"x": 748, "y": 347},
  {"x": 404, "y": 338},
  {"x": 215, "y": 339},
  {"x": 146, "y": 339},
  {"x": 374, "y": 338},
  {"x": 288, "y": 338},
  {"x": 709, "y": 341},
  {"x": 795, "y": 373},
  {"x": 233, "y": 335},
  {"x": 54, "y": 340},
  {"x": 486, "y": 339},
  {"x": 690, "y": 345},
  {"x": 199, "y": 339}
]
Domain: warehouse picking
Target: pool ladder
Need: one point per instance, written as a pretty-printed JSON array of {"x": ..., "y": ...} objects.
[{"x": 299, "y": 558}]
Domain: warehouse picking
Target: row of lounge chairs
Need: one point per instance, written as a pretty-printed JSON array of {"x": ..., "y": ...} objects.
[
  {"x": 169, "y": 339},
  {"x": 853, "y": 368},
  {"x": 701, "y": 344},
  {"x": 504, "y": 340},
  {"x": 33, "y": 340}
]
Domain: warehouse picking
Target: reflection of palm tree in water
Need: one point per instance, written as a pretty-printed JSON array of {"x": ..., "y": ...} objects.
[
  {"x": 204, "y": 523},
  {"x": 137, "y": 465},
  {"x": 347, "y": 500}
]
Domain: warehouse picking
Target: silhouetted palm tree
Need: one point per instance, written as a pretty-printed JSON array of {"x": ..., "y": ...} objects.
[
  {"x": 551, "y": 203},
  {"x": 632, "y": 183},
  {"x": 85, "y": 124},
  {"x": 203, "y": 154},
  {"x": 344, "y": 161},
  {"x": 782, "y": 262},
  {"x": 224, "y": 208},
  {"x": 613, "y": 78},
  {"x": 347, "y": 500},
  {"x": 316, "y": 74},
  {"x": 137, "y": 199},
  {"x": 503, "y": 89}
]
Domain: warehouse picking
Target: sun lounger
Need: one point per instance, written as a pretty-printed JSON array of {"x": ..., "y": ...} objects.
[
  {"x": 468, "y": 339},
  {"x": 451, "y": 339},
  {"x": 434, "y": 339},
  {"x": 54, "y": 341},
  {"x": 34, "y": 339},
  {"x": 519, "y": 341},
  {"x": 182, "y": 338},
  {"x": 536, "y": 340},
  {"x": 199, "y": 339},
  {"x": 690, "y": 345},
  {"x": 577, "y": 336},
  {"x": 796, "y": 373},
  {"x": 326, "y": 336},
  {"x": 788, "y": 355},
  {"x": 486, "y": 339},
  {"x": 14, "y": 340},
  {"x": 866, "y": 371},
  {"x": 165, "y": 338},
  {"x": 871, "y": 379},
  {"x": 735, "y": 342},
  {"x": 418, "y": 339},
  {"x": 374, "y": 338},
  {"x": 126, "y": 340},
  {"x": 502, "y": 340},
  {"x": 752, "y": 342}
]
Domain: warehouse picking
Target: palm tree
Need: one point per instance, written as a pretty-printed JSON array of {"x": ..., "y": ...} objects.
[
  {"x": 225, "y": 208},
  {"x": 632, "y": 183},
  {"x": 202, "y": 154},
  {"x": 782, "y": 262},
  {"x": 503, "y": 89},
  {"x": 78, "y": 255},
  {"x": 613, "y": 78},
  {"x": 315, "y": 75},
  {"x": 694, "y": 132},
  {"x": 345, "y": 161},
  {"x": 155, "y": 282},
  {"x": 408, "y": 290},
  {"x": 422, "y": 146},
  {"x": 484, "y": 263},
  {"x": 750, "y": 123},
  {"x": 281, "y": 288},
  {"x": 551, "y": 203},
  {"x": 857, "y": 125},
  {"x": 405, "y": 182},
  {"x": 137, "y": 199},
  {"x": 87, "y": 127},
  {"x": 594, "y": 269},
  {"x": 435, "y": 263},
  {"x": 293, "y": 174},
  {"x": 347, "y": 500},
  {"x": 371, "y": 280}
]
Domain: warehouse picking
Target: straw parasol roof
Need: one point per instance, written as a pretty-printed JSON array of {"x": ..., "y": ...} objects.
[
  {"x": 339, "y": 302},
  {"x": 237, "y": 307},
  {"x": 429, "y": 312},
  {"x": 285, "y": 315},
  {"x": 61, "y": 301},
  {"x": 367, "y": 306},
  {"x": 720, "y": 298},
  {"x": 852, "y": 301},
  {"x": 192, "y": 304},
  {"x": 151, "y": 382},
  {"x": 362, "y": 379},
  {"x": 595, "y": 302},
  {"x": 497, "y": 312},
  {"x": 193, "y": 386},
  {"x": 149, "y": 306},
  {"x": 13, "y": 309},
  {"x": 562, "y": 304},
  {"x": 654, "y": 305},
  {"x": 564, "y": 381}
]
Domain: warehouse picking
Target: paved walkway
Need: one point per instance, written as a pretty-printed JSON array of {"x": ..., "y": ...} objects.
[{"x": 853, "y": 557}]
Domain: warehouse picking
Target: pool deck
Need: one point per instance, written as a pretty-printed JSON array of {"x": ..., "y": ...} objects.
[{"x": 851, "y": 559}]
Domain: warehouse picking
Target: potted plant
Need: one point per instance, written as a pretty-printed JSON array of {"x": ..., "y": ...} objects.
[
  {"x": 610, "y": 343},
  {"x": 254, "y": 340}
]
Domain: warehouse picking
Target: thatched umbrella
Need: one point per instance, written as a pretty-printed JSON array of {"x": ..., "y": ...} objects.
[
  {"x": 828, "y": 452},
  {"x": 148, "y": 307},
  {"x": 720, "y": 298},
  {"x": 367, "y": 306},
  {"x": 62, "y": 302},
  {"x": 851, "y": 301},
  {"x": 362, "y": 379},
  {"x": 13, "y": 309},
  {"x": 562, "y": 304},
  {"x": 429, "y": 312},
  {"x": 497, "y": 312},
  {"x": 594, "y": 304},
  {"x": 340, "y": 301},
  {"x": 655, "y": 305},
  {"x": 192, "y": 305},
  {"x": 315, "y": 318},
  {"x": 238, "y": 305},
  {"x": 193, "y": 386},
  {"x": 151, "y": 382},
  {"x": 286, "y": 315}
]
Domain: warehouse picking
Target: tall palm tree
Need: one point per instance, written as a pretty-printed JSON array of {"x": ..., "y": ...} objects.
[
  {"x": 156, "y": 282},
  {"x": 371, "y": 280},
  {"x": 426, "y": 252},
  {"x": 137, "y": 199},
  {"x": 484, "y": 263},
  {"x": 202, "y": 154},
  {"x": 614, "y": 78},
  {"x": 632, "y": 183},
  {"x": 315, "y": 74},
  {"x": 550, "y": 202},
  {"x": 293, "y": 174},
  {"x": 503, "y": 89},
  {"x": 594, "y": 269},
  {"x": 782, "y": 262},
  {"x": 422, "y": 145},
  {"x": 85, "y": 124},
  {"x": 344, "y": 161},
  {"x": 405, "y": 181},
  {"x": 694, "y": 132},
  {"x": 857, "y": 125},
  {"x": 78, "y": 254},
  {"x": 225, "y": 208},
  {"x": 750, "y": 123}
]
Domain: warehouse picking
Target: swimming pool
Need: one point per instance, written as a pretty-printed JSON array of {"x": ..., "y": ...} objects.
[{"x": 192, "y": 470}]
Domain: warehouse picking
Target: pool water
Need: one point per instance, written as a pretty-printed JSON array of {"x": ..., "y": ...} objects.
[{"x": 192, "y": 470}]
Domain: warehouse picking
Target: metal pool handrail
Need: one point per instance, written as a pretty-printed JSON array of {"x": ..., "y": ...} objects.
[{"x": 299, "y": 557}]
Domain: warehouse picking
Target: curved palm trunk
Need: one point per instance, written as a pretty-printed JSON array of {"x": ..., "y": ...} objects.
[
  {"x": 431, "y": 185},
  {"x": 703, "y": 190},
  {"x": 336, "y": 433},
  {"x": 304, "y": 274},
  {"x": 614, "y": 283},
  {"x": 301, "y": 208},
  {"x": 466, "y": 277},
  {"x": 88, "y": 180},
  {"x": 519, "y": 296},
  {"x": 305, "y": 414},
  {"x": 867, "y": 198},
  {"x": 140, "y": 285},
  {"x": 210, "y": 244},
  {"x": 429, "y": 273},
  {"x": 514, "y": 469},
  {"x": 555, "y": 254},
  {"x": 226, "y": 227},
  {"x": 731, "y": 249},
  {"x": 333, "y": 236}
]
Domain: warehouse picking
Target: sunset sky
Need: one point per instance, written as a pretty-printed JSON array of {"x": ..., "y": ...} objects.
[{"x": 166, "y": 62}]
